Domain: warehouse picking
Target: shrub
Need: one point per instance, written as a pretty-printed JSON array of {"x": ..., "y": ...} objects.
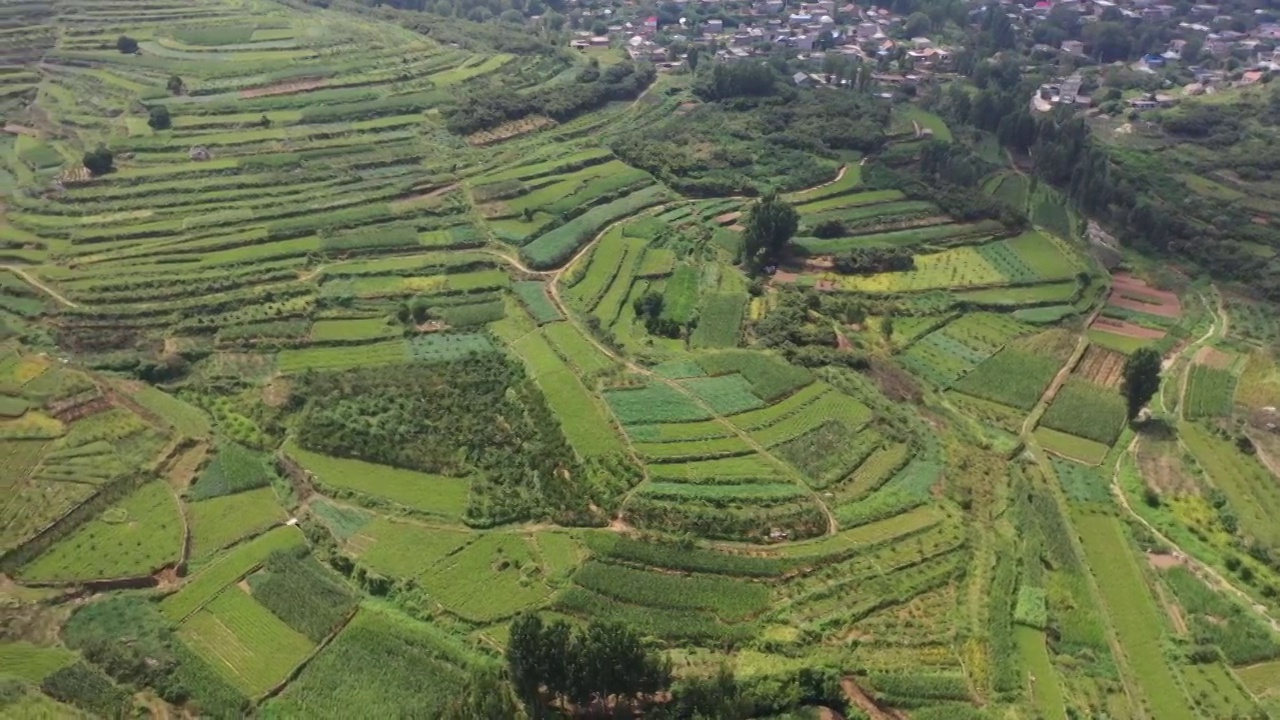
[{"x": 159, "y": 118}]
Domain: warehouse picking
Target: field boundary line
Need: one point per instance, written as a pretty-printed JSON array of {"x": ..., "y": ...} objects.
[{"x": 315, "y": 652}]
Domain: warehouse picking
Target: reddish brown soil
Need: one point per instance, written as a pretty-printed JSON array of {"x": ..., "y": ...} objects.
[
  {"x": 1164, "y": 561},
  {"x": 1213, "y": 357},
  {"x": 1131, "y": 293},
  {"x": 1101, "y": 366},
  {"x": 727, "y": 218},
  {"x": 1127, "y": 329},
  {"x": 284, "y": 88}
]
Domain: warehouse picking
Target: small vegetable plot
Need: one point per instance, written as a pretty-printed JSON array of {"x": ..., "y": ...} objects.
[
  {"x": 243, "y": 642},
  {"x": 1209, "y": 392},
  {"x": 1011, "y": 377},
  {"x": 1088, "y": 411}
]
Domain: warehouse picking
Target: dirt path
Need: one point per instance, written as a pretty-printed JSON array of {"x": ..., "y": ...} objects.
[
  {"x": 1265, "y": 457},
  {"x": 863, "y": 702},
  {"x": 37, "y": 283},
  {"x": 1029, "y": 424},
  {"x": 1201, "y": 569},
  {"x": 1204, "y": 571}
]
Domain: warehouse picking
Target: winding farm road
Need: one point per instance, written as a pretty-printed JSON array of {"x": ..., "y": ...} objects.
[
  {"x": 1206, "y": 572},
  {"x": 38, "y": 284}
]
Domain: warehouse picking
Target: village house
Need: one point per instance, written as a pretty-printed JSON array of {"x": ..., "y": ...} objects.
[{"x": 1073, "y": 47}]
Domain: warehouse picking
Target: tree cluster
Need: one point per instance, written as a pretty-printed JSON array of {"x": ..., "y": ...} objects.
[
  {"x": 750, "y": 145},
  {"x": 862, "y": 261},
  {"x": 99, "y": 161},
  {"x": 495, "y": 104},
  {"x": 648, "y": 308},
  {"x": 721, "y": 81},
  {"x": 597, "y": 665},
  {"x": 477, "y": 416}
]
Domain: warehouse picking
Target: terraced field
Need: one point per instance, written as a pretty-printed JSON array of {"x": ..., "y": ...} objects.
[{"x": 312, "y": 394}]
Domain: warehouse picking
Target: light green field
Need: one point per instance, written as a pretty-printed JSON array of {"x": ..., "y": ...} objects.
[{"x": 437, "y": 495}]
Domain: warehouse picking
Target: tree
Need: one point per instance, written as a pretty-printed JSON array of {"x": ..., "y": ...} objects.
[
  {"x": 99, "y": 161},
  {"x": 175, "y": 85},
  {"x": 1141, "y": 379},
  {"x": 126, "y": 45},
  {"x": 770, "y": 225},
  {"x": 486, "y": 695},
  {"x": 918, "y": 24},
  {"x": 692, "y": 58},
  {"x": 159, "y": 119},
  {"x": 595, "y": 664}
]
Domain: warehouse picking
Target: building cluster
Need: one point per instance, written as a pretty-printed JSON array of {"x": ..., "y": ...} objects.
[
  {"x": 1256, "y": 50},
  {"x": 811, "y": 28}
]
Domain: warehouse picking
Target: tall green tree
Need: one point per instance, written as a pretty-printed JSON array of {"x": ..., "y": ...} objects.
[
  {"x": 486, "y": 695},
  {"x": 1141, "y": 379},
  {"x": 597, "y": 664},
  {"x": 770, "y": 225}
]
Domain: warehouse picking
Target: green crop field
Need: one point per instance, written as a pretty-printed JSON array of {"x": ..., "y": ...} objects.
[
  {"x": 382, "y": 663},
  {"x": 1209, "y": 392},
  {"x": 137, "y": 536},
  {"x": 437, "y": 495},
  {"x": 1133, "y": 612},
  {"x": 245, "y": 644},
  {"x": 1088, "y": 411},
  {"x": 218, "y": 522},
  {"x": 227, "y": 569}
]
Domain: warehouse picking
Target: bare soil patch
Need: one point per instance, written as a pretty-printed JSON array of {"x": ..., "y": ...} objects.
[
  {"x": 509, "y": 130},
  {"x": 287, "y": 88},
  {"x": 1161, "y": 466},
  {"x": 15, "y": 129},
  {"x": 727, "y": 218},
  {"x": 1127, "y": 329},
  {"x": 1164, "y": 561},
  {"x": 1132, "y": 293},
  {"x": 1101, "y": 367},
  {"x": 1213, "y": 357},
  {"x": 183, "y": 470}
]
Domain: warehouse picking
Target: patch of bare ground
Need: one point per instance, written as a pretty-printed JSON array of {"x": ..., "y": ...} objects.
[
  {"x": 863, "y": 702},
  {"x": 276, "y": 392},
  {"x": 1165, "y": 561},
  {"x": 168, "y": 578},
  {"x": 287, "y": 88},
  {"x": 895, "y": 383},
  {"x": 1127, "y": 329},
  {"x": 182, "y": 471},
  {"x": 506, "y": 131},
  {"x": 15, "y": 129},
  {"x": 1101, "y": 366},
  {"x": 1160, "y": 463},
  {"x": 1213, "y": 357}
]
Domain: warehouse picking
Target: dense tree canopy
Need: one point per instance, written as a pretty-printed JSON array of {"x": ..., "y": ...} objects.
[
  {"x": 596, "y": 664},
  {"x": 769, "y": 227},
  {"x": 1141, "y": 379}
]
